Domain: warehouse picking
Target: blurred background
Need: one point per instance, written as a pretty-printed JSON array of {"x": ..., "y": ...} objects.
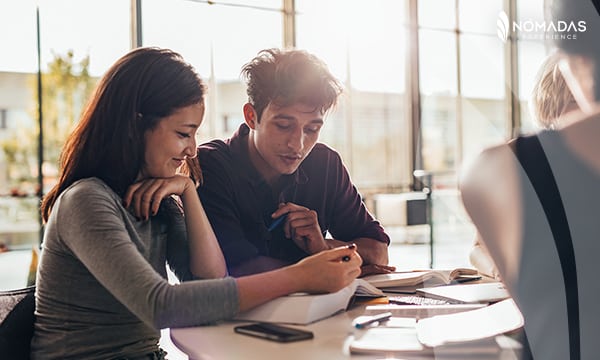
[{"x": 428, "y": 85}]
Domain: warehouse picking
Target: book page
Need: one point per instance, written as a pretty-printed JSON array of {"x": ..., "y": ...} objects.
[
  {"x": 364, "y": 288},
  {"x": 411, "y": 278}
]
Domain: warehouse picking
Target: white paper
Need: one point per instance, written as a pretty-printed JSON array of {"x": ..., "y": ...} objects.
[{"x": 477, "y": 324}]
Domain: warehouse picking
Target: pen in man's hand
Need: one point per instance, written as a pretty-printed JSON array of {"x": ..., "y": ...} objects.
[
  {"x": 276, "y": 222},
  {"x": 361, "y": 322}
]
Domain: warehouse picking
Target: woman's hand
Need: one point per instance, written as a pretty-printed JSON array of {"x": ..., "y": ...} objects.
[
  {"x": 145, "y": 196},
  {"x": 329, "y": 270}
]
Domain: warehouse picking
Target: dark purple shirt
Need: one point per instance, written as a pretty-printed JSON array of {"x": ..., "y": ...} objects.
[{"x": 239, "y": 202}]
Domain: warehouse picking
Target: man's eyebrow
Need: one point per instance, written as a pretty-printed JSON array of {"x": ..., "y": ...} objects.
[
  {"x": 284, "y": 117},
  {"x": 292, "y": 118}
]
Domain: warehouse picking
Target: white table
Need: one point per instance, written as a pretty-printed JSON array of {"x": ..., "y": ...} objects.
[{"x": 332, "y": 337}]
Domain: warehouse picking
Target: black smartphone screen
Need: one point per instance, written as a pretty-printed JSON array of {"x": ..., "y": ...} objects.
[{"x": 273, "y": 332}]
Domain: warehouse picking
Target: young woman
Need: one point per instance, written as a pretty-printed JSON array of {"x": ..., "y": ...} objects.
[{"x": 112, "y": 222}]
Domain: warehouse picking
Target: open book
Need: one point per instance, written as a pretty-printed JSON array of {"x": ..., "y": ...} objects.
[
  {"x": 302, "y": 308},
  {"x": 473, "y": 332},
  {"x": 421, "y": 277}
]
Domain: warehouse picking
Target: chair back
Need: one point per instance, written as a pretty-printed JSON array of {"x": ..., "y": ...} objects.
[{"x": 16, "y": 322}]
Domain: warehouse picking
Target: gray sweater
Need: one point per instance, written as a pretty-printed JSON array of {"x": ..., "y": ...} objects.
[{"x": 101, "y": 284}]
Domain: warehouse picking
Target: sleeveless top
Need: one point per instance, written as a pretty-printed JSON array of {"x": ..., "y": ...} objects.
[{"x": 557, "y": 288}]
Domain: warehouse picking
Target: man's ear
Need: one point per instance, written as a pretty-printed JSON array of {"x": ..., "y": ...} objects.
[{"x": 250, "y": 116}]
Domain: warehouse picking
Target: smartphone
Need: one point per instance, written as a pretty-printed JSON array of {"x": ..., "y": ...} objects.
[{"x": 273, "y": 332}]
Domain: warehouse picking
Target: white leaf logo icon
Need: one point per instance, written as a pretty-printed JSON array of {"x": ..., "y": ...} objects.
[{"x": 502, "y": 27}]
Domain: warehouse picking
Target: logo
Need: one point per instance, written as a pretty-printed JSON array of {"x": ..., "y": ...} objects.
[
  {"x": 533, "y": 29},
  {"x": 502, "y": 26}
]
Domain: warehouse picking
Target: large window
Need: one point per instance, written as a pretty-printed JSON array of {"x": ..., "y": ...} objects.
[
  {"x": 462, "y": 82},
  {"x": 76, "y": 47}
]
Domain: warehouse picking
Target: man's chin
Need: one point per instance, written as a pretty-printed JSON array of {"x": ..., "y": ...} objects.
[{"x": 289, "y": 171}]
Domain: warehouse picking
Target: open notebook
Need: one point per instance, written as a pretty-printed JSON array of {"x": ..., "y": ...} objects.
[
  {"x": 473, "y": 332},
  {"x": 421, "y": 278}
]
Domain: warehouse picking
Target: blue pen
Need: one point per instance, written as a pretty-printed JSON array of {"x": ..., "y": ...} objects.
[
  {"x": 362, "y": 322},
  {"x": 277, "y": 222}
]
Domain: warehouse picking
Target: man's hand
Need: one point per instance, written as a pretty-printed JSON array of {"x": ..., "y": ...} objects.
[
  {"x": 145, "y": 196},
  {"x": 302, "y": 226},
  {"x": 372, "y": 269}
]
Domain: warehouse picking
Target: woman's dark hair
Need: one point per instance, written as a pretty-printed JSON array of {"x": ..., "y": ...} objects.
[
  {"x": 582, "y": 36},
  {"x": 142, "y": 87}
]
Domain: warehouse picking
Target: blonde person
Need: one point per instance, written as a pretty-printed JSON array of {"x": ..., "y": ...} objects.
[
  {"x": 550, "y": 102},
  {"x": 550, "y": 98},
  {"x": 116, "y": 217}
]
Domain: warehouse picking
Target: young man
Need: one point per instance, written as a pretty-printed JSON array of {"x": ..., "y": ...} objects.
[{"x": 273, "y": 167}]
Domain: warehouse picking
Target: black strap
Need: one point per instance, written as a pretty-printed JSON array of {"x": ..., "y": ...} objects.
[{"x": 535, "y": 163}]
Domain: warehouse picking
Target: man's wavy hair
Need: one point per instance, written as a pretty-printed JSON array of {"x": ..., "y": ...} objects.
[{"x": 287, "y": 77}]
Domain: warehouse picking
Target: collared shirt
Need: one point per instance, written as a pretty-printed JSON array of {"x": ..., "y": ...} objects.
[{"x": 239, "y": 202}]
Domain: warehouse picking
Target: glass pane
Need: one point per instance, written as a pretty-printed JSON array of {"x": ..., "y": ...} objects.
[
  {"x": 364, "y": 47},
  {"x": 476, "y": 16},
  {"x": 438, "y": 82},
  {"x": 76, "y": 49},
  {"x": 530, "y": 10},
  {"x": 378, "y": 65},
  {"x": 74, "y": 54},
  {"x": 436, "y": 14},
  {"x": 218, "y": 41},
  {"x": 329, "y": 42},
  {"x": 85, "y": 34},
  {"x": 438, "y": 132},
  {"x": 483, "y": 125},
  {"x": 482, "y": 67},
  {"x": 371, "y": 38},
  {"x": 437, "y": 72},
  {"x": 19, "y": 54},
  {"x": 379, "y": 140}
]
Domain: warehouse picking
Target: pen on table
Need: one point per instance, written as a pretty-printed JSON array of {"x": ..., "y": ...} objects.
[
  {"x": 276, "y": 222},
  {"x": 372, "y": 319}
]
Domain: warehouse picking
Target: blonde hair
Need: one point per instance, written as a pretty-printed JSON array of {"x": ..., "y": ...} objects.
[{"x": 550, "y": 96}]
